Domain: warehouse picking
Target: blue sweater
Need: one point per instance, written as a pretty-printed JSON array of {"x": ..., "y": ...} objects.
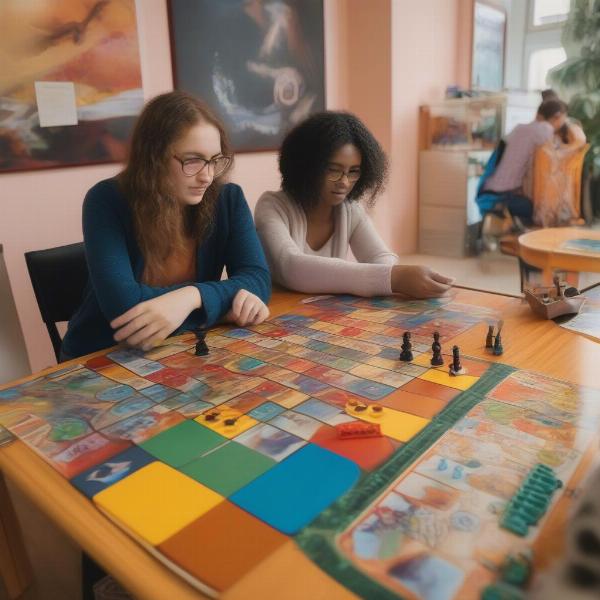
[{"x": 115, "y": 264}]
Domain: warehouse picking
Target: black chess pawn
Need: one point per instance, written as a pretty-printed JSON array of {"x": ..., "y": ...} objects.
[
  {"x": 489, "y": 340},
  {"x": 437, "y": 359},
  {"x": 455, "y": 366},
  {"x": 201, "y": 347},
  {"x": 498, "y": 349},
  {"x": 406, "y": 355}
]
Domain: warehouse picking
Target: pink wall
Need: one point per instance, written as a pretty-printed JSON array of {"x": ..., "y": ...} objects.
[
  {"x": 424, "y": 61},
  {"x": 381, "y": 76}
]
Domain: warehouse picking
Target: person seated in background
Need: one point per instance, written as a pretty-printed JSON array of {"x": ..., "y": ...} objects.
[
  {"x": 507, "y": 181},
  {"x": 158, "y": 236},
  {"x": 555, "y": 180},
  {"x": 571, "y": 135},
  {"x": 328, "y": 163}
]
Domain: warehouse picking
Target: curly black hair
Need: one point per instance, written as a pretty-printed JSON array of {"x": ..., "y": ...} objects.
[{"x": 308, "y": 148}]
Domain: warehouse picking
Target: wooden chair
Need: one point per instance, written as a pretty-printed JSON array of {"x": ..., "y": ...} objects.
[
  {"x": 542, "y": 189},
  {"x": 556, "y": 175},
  {"x": 59, "y": 276}
]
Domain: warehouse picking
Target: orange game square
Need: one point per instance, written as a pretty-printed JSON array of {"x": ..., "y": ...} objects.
[{"x": 224, "y": 544}]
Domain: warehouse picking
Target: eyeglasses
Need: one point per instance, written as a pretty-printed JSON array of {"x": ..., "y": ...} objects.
[
  {"x": 193, "y": 166},
  {"x": 336, "y": 174}
]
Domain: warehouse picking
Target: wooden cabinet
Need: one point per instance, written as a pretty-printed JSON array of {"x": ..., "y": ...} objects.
[{"x": 449, "y": 218}]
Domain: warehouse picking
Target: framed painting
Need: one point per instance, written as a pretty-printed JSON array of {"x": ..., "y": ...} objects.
[
  {"x": 259, "y": 64},
  {"x": 489, "y": 33},
  {"x": 70, "y": 83}
]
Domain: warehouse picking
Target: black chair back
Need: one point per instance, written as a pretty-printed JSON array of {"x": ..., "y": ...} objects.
[{"x": 59, "y": 276}]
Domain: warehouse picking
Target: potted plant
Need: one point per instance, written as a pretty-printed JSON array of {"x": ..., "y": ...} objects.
[{"x": 578, "y": 79}]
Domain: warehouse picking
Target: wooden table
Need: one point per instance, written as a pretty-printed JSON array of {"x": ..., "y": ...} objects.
[
  {"x": 542, "y": 248},
  {"x": 529, "y": 343}
]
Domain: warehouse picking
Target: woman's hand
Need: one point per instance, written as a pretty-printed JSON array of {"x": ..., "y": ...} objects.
[
  {"x": 150, "y": 322},
  {"x": 247, "y": 309},
  {"x": 419, "y": 282}
]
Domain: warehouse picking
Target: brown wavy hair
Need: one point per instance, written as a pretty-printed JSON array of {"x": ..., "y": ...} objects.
[{"x": 162, "y": 226}]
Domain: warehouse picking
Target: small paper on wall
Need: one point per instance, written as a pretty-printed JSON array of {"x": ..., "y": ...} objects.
[{"x": 56, "y": 103}]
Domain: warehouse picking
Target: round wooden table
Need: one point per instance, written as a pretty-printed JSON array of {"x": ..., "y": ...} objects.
[{"x": 543, "y": 248}]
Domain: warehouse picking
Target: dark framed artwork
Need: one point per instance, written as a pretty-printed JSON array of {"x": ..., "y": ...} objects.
[
  {"x": 489, "y": 33},
  {"x": 71, "y": 88},
  {"x": 259, "y": 64}
]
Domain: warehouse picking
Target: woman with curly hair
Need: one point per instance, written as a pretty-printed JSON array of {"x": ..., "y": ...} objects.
[
  {"x": 158, "y": 236},
  {"x": 329, "y": 162}
]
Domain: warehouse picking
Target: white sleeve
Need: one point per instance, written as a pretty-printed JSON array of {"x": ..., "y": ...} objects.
[
  {"x": 294, "y": 269},
  {"x": 366, "y": 244}
]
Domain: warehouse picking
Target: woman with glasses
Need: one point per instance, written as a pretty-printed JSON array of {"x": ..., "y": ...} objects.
[
  {"x": 158, "y": 236},
  {"x": 329, "y": 162}
]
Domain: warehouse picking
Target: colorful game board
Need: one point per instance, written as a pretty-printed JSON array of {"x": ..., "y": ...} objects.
[{"x": 213, "y": 462}]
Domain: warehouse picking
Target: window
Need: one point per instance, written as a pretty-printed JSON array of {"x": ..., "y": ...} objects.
[
  {"x": 540, "y": 62},
  {"x": 550, "y": 12}
]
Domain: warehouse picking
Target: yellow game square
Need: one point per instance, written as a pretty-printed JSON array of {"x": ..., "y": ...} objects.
[
  {"x": 458, "y": 382},
  {"x": 223, "y": 413},
  {"x": 157, "y": 501},
  {"x": 424, "y": 360},
  {"x": 398, "y": 425}
]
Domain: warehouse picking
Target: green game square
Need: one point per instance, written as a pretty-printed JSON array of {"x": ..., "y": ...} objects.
[
  {"x": 183, "y": 443},
  {"x": 228, "y": 468}
]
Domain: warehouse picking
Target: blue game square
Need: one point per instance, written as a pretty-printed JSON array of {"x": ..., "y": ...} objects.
[
  {"x": 101, "y": 476},
  {"x": 295, "y": 491},
  {"x": 266, "y": 411}
]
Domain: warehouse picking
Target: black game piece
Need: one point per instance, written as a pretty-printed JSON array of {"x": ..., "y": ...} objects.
[
  {"x": 437, "y": 359},
  {"x": 498, "y": 349},
  {"x": 230, "y": 421},
  {"x": 360, "y": 407},
  {"x": 406, "y": 355},
  {"x": 489, "y": 340},
  {"x": 556, "y": 281},
  {"x": 455, "y": 366},
  {"x": 571, "y": 291},
  {"x": 201, "y": 347},
  {"x": 211, "y": 416}
]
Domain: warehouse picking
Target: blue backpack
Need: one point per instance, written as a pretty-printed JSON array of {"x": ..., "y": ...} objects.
[{"x": 487, "y": 200}]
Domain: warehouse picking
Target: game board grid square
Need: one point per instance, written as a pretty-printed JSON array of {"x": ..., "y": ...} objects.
[
  {"x": 367, "y": 453},
  {"x": 107, "y": 473},
  {"x": 400, "y": 426},
  {"x": 430, "y": 389},
  {"x": 156, "y": 502},
  {"x": 415, "y": 404},
  {"x": 183, "y": 443},
  {"x": 222, "y": 546},
  {"x": 270, "y": 441},
  {"x": 228, "y": 422},
  {"x": 295, "y": 491},
  {"x": 228, "y": 468}
]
